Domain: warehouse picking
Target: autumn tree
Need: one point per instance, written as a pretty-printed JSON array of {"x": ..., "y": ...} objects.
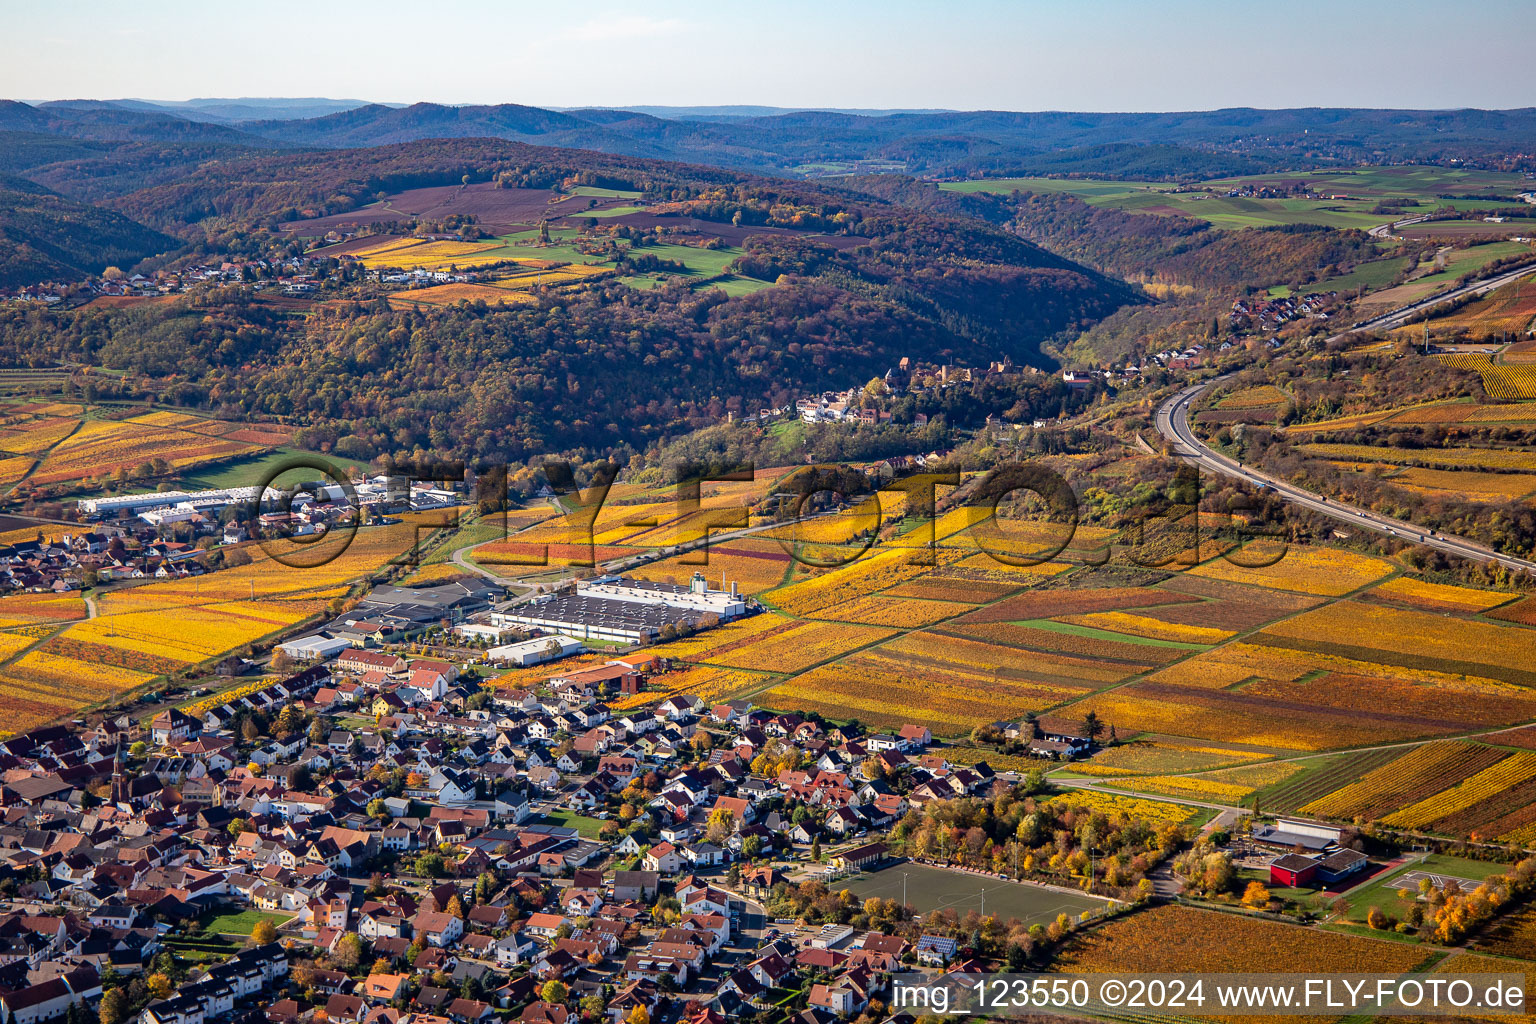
[
  {"x": 721, "y": 822},
  {"x": 114, "y": 1006},
  {"x": 264, "y": 932},
  {"x": 349, "y": 951},
  {"x": 1092, "y": 726}
]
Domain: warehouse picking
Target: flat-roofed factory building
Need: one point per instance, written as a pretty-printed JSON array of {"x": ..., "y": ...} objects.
[{"x": 623, "y": 610}]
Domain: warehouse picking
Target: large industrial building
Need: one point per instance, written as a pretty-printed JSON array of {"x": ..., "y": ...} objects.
[
  {"x": 724, "y": 604},
  {"x": 197, "y": 501},
  {"x": 623, "y": 610},
  {"x": 377, "y": 490}
]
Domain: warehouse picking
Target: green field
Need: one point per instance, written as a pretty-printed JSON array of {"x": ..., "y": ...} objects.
[
  {"x": 929, "y": 889},
  {"x": 240, "y": 922},
  {"x": 612, "y": 211},
  {"x": 482, "y": 531},
  {"x": 1310, "y": 898},
  {"x": 594, "y": 192},
  {"x": 700, "y": 262},
  {"x": 735, "y": 285},
  {"x": 1363, "y": 189},
  {"x": 1104, "y": 191},
  {"x": 1382, "y": 891},
  {"x": 251, "y": 470},
  {"x": 522, "y": 245},
  {"x": 1372, "y": 275},
  {"x": 1398, "y": 182},
  {"x": 586, "y": 826},
  {"x": 203, "y": 949},
  {"x": 1464, "y": 261},
  {"x": 1093, "y": 633}
]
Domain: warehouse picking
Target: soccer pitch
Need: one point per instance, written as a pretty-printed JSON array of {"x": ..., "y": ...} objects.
[{"x": 929, "y": 889}]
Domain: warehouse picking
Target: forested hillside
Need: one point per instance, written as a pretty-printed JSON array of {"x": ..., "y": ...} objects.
[
  {"x": 944, "y": 143},
  {"x": 583, "y": 370},
  {"x": 44, "y": 236},
  {"x": 591, "y": 365},
  {"x": 1185, "y": 251}
]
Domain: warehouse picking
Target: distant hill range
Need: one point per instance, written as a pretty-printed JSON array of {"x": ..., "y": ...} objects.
[
  {"x": 777, "y": 140},
  {"x": 108, "y": 168}
]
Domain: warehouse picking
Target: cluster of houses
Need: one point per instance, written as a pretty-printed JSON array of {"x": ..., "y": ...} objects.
[
  {"x": 907, "y": 375},
  {"x": 421, "y": 277},
  {"x": 63, "y": 563},
  {"x": 295, "y": 275},
  {"x": 1286, "y": 188},
  {"x": 400, "y": 761},
  {"x": 1269, "y": 313},
  {"x": 130, "y": 537},
  {"x": 1169, "y": 359}
]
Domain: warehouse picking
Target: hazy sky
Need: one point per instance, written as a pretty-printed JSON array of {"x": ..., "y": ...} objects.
[{"x": 967, "y": 54}]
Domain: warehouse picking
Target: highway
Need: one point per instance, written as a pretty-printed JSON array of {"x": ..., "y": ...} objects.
[
  {"x": 1385, "y": 230},
  {"x": 1172, "y": 421},
  {"x": 1402, "y": 314}
]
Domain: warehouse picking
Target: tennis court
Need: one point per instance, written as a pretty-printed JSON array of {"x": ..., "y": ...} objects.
[{"x": 1410, "y": 880}]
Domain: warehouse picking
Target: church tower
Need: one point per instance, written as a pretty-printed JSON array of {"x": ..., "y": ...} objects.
[{"x": 119, "y": 777}]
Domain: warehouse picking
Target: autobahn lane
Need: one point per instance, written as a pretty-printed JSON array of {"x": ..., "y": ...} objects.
[
  {"x": 1172, "y": 422},
  {"x": 1400, "y": 315}
]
